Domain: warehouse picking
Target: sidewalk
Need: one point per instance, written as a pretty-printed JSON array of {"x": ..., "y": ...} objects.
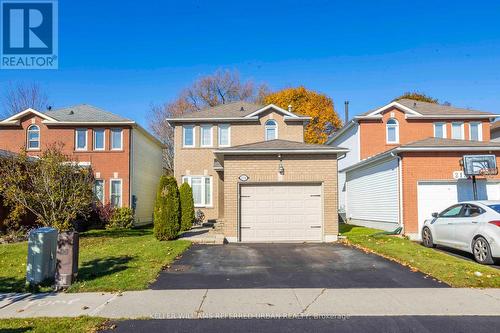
[{"x": 238, "y": 303}]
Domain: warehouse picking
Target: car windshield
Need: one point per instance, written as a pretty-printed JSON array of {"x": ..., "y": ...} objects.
[{"x": 496, "y": 208}]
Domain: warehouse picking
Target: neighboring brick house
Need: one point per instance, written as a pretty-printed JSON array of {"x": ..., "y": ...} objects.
[
  {"x": 126, "y": 159},
  {"x": 404, "y": 162},
  {"x": 250, "y": 170},
  {"x": 495, "y": 131}
]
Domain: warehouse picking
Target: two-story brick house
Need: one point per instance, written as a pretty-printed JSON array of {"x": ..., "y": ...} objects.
[
  {"x": 126, "y": 159},
  {"x": 250, "y": 170},
  {"x": 404, "y": 162}
]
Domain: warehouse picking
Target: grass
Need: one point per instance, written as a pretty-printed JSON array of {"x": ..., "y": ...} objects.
[
  {"x": 110, "y": 260},
  {"x": 50, "y": 325},
  {"x": 453, "y": 271}
]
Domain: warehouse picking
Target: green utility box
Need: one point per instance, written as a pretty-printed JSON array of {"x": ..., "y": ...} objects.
[{"x": 42, "y": 247}]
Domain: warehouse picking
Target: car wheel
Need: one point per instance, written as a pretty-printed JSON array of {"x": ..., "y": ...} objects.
[
  {"x": 427, "y": 238},
  {"x": 481, "y": 250}
]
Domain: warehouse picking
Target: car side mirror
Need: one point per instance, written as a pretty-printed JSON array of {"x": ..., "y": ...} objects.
[{"x": 435, "y": 215}]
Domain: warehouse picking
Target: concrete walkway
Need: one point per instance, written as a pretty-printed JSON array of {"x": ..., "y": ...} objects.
[{"x": 256, "y": 303}]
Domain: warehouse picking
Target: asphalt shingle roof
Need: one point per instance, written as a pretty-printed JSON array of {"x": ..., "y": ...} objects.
[
  {"x": 281, "y": 145},
  {"x": 439, "y": 142},
  {"x": 432, "y": 109},
  {"x": 84, "y": 113}
]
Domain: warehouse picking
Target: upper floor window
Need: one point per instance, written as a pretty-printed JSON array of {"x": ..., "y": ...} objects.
[
  {"x": 392, "y": 128},
  {"x": 33, "y": 137},
  {"x": 440, "y": 130},
  {"x": 224, "y": 135},
  {"x": 206, "y": 135},
  {"x": 81, "y": 139},
  {"x": 475, "y": 131},
  {"x": 271, "y": 129},
  {"x": 188, "y": 136},
  {"x": 116, "y": 139},
  {"x": 457, "y": 130},
  {"x": 99, "y": 139}
]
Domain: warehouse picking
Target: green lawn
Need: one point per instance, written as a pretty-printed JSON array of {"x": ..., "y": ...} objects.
[
  {"x": 110, "y": 260},
  {"x": 50, "y": 325},
  {"x": 454, "y": 271}
]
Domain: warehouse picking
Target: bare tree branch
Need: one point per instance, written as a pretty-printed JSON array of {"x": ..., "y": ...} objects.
[{"x": 19, "y": 97}]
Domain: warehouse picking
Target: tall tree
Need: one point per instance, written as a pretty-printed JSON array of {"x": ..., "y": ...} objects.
[
  {"x": 221, "y": 87},
  {"x": 19, "y": 97},
  {"x": 417, "y": 96},
  {"x": 310, "y": 103}
]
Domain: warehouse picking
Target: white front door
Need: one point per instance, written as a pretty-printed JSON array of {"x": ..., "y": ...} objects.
[{"x": 281, "y": 213}]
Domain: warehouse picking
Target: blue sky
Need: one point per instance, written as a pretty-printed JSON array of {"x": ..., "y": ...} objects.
[{"x": 125, "y": 55}]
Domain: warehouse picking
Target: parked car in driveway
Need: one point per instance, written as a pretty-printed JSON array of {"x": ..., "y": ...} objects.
[{"x": 472, "y": 226}]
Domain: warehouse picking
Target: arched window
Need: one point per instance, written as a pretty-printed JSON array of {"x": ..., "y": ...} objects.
[
  {"x": 33, "y": 137},
  {"x": 392, "y": 131},
  {"x": 271, "y": 129}
]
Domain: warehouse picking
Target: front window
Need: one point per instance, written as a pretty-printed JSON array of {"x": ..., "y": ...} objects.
[
  {"x": 392, "y": 131},
  {"x": 453, "y": 211},
  {"x": 81, "y": 139},
  {"x": 475, "y": 132},
  {"x": 99, "y": 139},
  {"x": 457, "y": 131},
  {"x": 202, "y": 189},
  {"x": 271, "y": 130},
  {"x": 440, "y": 130},
  {"x": 188, "y": 136},
  {"x": 33, "y": 137},
  {"x": 116, "y": 139},
  {"x": 99, "y": 190},
  {"x": 116, "y": 193},
  {"x": 224, "y": 135},
  {"x": 206, "y": 135}
]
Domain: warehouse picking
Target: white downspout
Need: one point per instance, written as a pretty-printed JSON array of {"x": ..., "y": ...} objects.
[{"x": 400, "y": 185}]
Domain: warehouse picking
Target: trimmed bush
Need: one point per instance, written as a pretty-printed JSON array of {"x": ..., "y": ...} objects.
[
  {"x": 167, "y": 213},
  {"x": 121, "y": 218},
  {"x": 187, "y": 206}
]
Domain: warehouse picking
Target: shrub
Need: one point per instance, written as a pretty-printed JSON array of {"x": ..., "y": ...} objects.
[
  {"x": 167, "y": 213},
  {"x": 187, "y": 206},
  {"x": 121, "y": 218}
]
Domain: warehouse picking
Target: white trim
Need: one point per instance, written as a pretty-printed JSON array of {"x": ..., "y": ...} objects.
[
  {"x": 393, "y": 104},
  {"x": 282, "y": 151},
  {"x": 211, "y": 127},
  {"x": 479, "y": 130},
  {"x": 222, "y": 120},
  {"x": 94, "y": 131},
  {"x": 86, "y": 139},
  {"x": 28, "y": 137},
  {"x": 455, "y": 116},
  {"x": 341, "y": 131},
  {"x": 266, "y": 127},
  {"x": 228, "y": 126},
  {"x": 203, "y": 191},
  {"x": 461, "y": 128},
  {"x": 444, "y": 129},
  {"x": 111, "y": 190},
  {"x": 30, "y": 110},
  {"x": 396, "y": 127},
  {"x": 112, "y": 140},
  {"x": 288, "y": 118},
  {"x": 272, "y": 106},
  {"x": 193, "y": 127}
]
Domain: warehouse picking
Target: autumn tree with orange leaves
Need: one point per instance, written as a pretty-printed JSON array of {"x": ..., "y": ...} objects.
[{"x": 324, "y": 119}]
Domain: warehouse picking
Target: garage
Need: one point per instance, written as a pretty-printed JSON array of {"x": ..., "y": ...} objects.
[
  {"x": 281, "y": 213},
  {"x": 435, "y": 196}
]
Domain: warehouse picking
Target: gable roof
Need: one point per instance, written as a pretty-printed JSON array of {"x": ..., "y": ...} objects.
[
  {"x": 235, "y": 111},
  {"x": 417, "y": 109},
  {"x": 280, "y": 146},
  {"x": 430, "y": 144},
  {"x": 85, "y": 113}
]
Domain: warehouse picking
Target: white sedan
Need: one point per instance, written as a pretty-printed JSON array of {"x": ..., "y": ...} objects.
[{"x": 472, "y": 226}]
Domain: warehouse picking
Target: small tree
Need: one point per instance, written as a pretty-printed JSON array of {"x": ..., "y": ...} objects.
[
  {"x": 51, "y": 187},
  {"x": 167, "y": 212},
  {"x": 187, "y": 206}
]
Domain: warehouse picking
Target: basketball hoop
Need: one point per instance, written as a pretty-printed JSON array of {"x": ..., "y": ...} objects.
[{"x": 479, "y": 165}]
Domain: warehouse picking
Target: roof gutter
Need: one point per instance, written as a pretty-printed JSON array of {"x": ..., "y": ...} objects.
[
  {"x": 91, "y": 123},
  {"x": 193, "y": 120},
  {"x": 457, "y": 116},
  {"x": 341, "y": 131},
  {"x": 280, "y": 151}
]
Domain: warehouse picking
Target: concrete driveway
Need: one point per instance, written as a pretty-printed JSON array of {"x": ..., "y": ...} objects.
[{"x": 286, "y": 266}]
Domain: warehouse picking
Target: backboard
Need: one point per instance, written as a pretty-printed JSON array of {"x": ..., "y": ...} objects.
[{"x": 480, "y": 165}]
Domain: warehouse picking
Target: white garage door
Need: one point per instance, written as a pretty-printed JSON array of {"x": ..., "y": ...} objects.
[
  {"x": 436, "y": 196},
  {"x": 280, "y": 213}
]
